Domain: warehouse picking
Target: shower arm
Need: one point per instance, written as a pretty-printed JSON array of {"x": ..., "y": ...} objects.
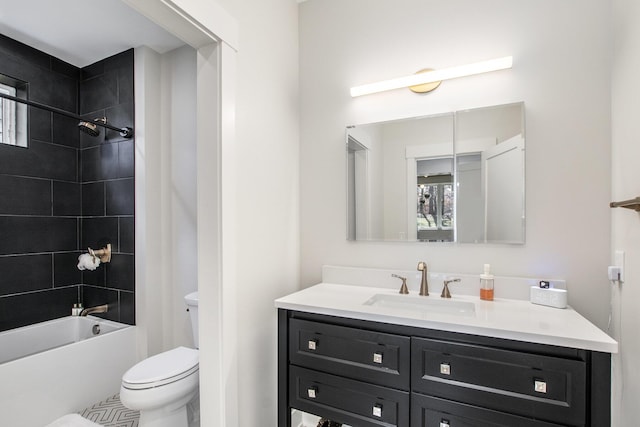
[{"x": 126, "y": 132}]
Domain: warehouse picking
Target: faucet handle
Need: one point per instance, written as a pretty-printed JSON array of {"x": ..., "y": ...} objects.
[
  {"x": 403, "y": 289},
  {"x": 445, "y": 290}
]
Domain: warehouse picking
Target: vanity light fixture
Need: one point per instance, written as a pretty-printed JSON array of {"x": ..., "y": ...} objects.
[{"x": 427, "y": 80}]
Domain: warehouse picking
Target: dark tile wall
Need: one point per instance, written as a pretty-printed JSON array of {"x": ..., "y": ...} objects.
[
  {"x": 66, "y": 191},
  {"x": 40, "y": 197},
  {"x": 107, "y": 181}
]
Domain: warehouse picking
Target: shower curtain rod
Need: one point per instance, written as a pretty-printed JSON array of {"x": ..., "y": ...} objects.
[{"x": 126, "y": 132}]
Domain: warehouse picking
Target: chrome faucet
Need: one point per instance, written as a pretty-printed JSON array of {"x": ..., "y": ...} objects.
[
  {"x": 445, "y": 290},
  {"x": 403, "y": 289},
  {"x": 97, "y": 309},
  {"x": 424, "y": 285}
]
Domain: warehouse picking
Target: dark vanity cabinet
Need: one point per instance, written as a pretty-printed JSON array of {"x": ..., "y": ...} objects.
[{"x": 364, "y": 373}]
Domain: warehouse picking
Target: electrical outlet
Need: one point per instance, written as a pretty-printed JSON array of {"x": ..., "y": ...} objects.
[
  {"x": 619, "y": 260},
  {"x": 613, "y": 272}
]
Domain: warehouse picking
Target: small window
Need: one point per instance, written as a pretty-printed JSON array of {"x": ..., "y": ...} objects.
[
  {"x": 7, "y": 116},
  {"x": 13, "y": 115}
]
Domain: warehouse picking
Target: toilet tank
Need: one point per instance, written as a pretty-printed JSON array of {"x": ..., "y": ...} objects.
[{"x": 192, "y": 304}]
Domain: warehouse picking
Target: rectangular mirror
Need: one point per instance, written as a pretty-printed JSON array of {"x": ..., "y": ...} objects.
[{"x": 456, "y": 176}]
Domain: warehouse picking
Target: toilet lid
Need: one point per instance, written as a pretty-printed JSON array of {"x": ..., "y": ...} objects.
[{"x": 162, "y": 368}]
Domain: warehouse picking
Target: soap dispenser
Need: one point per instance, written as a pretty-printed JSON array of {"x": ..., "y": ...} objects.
[{"x": 486, "y": 284}]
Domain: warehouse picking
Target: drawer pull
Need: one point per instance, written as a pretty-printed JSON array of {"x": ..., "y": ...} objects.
[
  {"x": 445, "y": 369},
  {"x": 377, "y": 410},
  {"x": 312, "y": 392},
  {"x": 540, "y": 386},
  {"x": 377, "y": 357},
  {"x": 444, "y": 423},
  {"x": 312, "y": 344}
]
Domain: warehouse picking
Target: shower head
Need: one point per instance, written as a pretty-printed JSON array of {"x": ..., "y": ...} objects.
[{"x": 89, "y": 128}]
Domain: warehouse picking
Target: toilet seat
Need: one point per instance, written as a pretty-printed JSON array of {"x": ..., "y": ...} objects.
[{"x": 162, "y": 369}]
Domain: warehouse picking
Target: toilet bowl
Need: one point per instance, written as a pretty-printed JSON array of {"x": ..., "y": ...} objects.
[{"x": 162, "y": 386}]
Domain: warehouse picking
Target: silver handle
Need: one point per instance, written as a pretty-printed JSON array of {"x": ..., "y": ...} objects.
[
  {"x": 540, "y": 386},
  {"x": 377, "y": 410},
  {"x": 311, "y": 392},
  {"x": 445, "y": 369},
  {"x": 312, "y": 344},
  {"x": 444, "y": 423},
  {"x": 377, "y": 357}
]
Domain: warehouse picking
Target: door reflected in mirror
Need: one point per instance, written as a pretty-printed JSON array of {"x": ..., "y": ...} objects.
[{"x": 412, "y": 180}]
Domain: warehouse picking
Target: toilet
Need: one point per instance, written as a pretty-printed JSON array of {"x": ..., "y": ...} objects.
[{"x": 162, "y": 387}]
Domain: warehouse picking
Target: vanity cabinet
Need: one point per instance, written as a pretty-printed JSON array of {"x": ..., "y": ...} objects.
[
  {"x": 365, "y": 373},
  {"x": 365, "y": 355},
  {"x": 530, "y": 385}
]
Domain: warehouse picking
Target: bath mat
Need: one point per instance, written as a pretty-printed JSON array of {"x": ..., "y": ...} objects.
[
  {"x": 72, "y": 420},
  {"x": 112, "y": 413}
]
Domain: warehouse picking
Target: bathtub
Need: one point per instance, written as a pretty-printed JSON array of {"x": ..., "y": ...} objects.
[{"x": 61, "y": 366}]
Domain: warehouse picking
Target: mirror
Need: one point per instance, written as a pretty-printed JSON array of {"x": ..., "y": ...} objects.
[{"x": 449, "y": 177}]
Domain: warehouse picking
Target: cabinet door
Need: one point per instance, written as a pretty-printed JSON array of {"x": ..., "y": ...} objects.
[
  {"x": 347, "y": 401},
  {"x": 373, "y": 357},
  {"x": 541, "y": 387},
  {"x": 427, "y": 411}
]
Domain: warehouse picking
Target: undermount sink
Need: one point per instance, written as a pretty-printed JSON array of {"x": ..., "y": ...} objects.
[{"x": 422, "y": 304}]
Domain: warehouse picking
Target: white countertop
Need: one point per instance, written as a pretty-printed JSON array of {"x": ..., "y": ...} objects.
[{"x": 502, "y": 318}]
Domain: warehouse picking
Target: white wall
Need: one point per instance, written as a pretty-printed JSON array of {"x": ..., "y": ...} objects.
[
  {"x": 561, "y": 72},
  {"x": 166, "y": 269},
  {"x": 179, "y": 204},
  {"x": 147, "y": 222},
  {"x": 267, "y": 121},
  {"x": 626, "y": 223}
]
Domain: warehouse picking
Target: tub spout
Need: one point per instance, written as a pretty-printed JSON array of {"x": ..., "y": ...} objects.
[{"x": 97, "y": 309}]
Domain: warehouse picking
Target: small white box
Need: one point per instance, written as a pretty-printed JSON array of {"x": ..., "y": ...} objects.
[{"x": 550, "y": 297}]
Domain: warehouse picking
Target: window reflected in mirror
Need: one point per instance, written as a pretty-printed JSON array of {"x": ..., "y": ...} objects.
[{"x": 434, "y": 214}]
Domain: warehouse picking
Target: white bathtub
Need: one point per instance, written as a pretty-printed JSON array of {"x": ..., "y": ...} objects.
[{"x": 57, "y": 367}]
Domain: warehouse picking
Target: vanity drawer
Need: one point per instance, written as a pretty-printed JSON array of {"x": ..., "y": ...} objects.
[
  {"x": 542, "y": 387},
  {"x": 373, "y": 357},
  {"x": 427, "y": 411},
  {"x": 347, "y": 401}
]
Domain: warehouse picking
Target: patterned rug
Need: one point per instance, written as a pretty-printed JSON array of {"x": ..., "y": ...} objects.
[{"x": 111, "y": 413}]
